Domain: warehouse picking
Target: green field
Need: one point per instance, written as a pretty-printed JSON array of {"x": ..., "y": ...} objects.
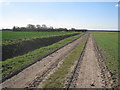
[
  {"x": 16, "y": 63},
  {"x": 10, "y": 37},
  {"x": 108, "y": 43}
]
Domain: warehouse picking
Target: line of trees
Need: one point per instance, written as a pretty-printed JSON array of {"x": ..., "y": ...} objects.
[{"x": 42, "y": 28}]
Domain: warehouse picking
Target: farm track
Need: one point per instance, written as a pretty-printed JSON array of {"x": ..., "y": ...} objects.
[
  {"x": 33, "y": 75},
  {"x": 90, "y": 71}
]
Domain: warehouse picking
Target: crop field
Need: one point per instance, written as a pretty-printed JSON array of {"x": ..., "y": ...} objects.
[
  {"x": 9, "y": 37},
  {"x": 108, "y": 44},
  {"x": 12, "y": 64}
]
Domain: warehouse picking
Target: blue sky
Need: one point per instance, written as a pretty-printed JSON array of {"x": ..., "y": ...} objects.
[{"x": 89, "y": 15}]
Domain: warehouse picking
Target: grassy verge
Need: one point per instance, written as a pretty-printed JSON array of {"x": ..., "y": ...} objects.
[
  {"x": 57, "y": 79},
  {"x": 16, "y": 63},
  {"x": 108, "y": 43}
]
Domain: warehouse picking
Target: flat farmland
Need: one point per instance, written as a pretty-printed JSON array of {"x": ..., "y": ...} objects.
[
  {"x": 9, "y": 37},
  {"x": 66, "y": 60}
]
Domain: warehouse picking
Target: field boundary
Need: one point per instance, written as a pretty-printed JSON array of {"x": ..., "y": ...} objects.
[{"x": 18, "y": 71}]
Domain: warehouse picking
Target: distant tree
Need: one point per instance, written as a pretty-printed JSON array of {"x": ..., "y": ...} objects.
[
  {"x": 44, "y": 26},
  {"x": 84, "y": 30},
  {"x": 38, "y": 26},
  {"x": 22, "y": 29},
  {"x": 72, "y": 28},
  {"x": 51, "y": 27},
  {"x": 14, "y": 28},
  {"x": 30, "y": 26}
]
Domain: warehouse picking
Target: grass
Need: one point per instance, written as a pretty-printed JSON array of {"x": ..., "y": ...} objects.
[
  {"x": 108, "y": 43},
  {"x": 10, "y": 37},
  {"x": 57, "y": 79},
  {"x": 16, "y": 63}
]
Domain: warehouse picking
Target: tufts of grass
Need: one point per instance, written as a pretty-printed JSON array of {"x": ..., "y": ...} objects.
[{"x": 57, "y": 79}]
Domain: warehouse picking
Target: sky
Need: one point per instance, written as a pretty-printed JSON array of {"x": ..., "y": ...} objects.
[{"x": 79, "y": 15}]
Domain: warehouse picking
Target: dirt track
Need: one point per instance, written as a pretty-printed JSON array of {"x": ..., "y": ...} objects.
[
  {"x": 30, "y": 76},
  {"x": 89, "y": 73}
]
